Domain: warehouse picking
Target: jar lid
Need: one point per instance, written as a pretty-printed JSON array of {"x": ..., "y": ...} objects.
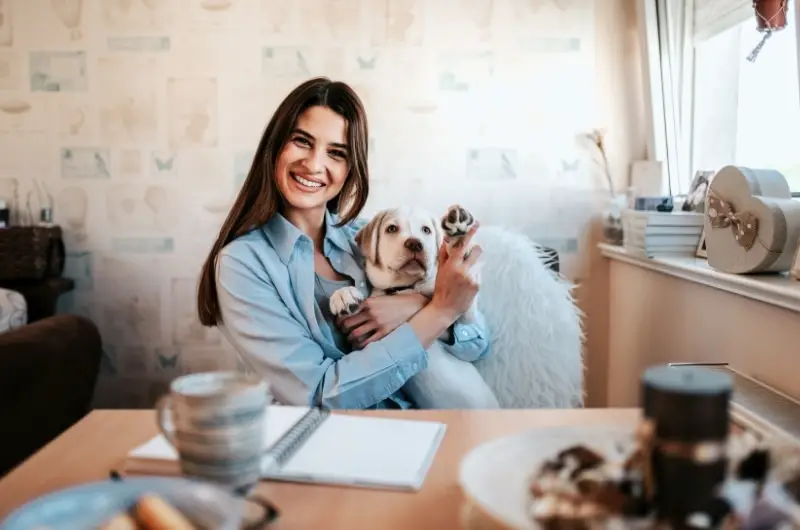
[{"x": 687, "y": 403}]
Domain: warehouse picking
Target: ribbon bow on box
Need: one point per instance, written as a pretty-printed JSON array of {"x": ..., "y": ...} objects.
[{"x": 743, "y": 224}]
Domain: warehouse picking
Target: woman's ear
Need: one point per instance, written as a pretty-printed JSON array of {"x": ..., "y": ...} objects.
[{"x": 369, "y": 237}]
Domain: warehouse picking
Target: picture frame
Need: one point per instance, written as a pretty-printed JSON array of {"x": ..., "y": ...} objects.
[
  {"x": 701, "y": 251},
  {"x": 696, "y": 198}
]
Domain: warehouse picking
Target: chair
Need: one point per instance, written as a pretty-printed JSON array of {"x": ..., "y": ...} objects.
[
  {"x": 536, "y": 359},
  {"x": 549, "y": 257},
  {"x": 48, "y": 371}
]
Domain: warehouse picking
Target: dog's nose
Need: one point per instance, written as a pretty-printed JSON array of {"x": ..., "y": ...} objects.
[{"x": 413, "y": 244}]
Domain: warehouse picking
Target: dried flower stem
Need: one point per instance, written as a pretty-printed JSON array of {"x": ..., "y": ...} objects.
[{"x": 597, "y": 138}]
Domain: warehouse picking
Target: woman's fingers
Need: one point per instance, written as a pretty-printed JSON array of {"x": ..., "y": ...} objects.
[
  {"x": 359, "y": 334},
  {"x": 474, "y": 256},
  {"x": 378, "y": 335},
  {"x": 442, "y": 254},
  {"x": 347, "y": 324}
]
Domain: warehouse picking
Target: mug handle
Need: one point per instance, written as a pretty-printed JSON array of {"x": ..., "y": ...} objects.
[
  {"x": 271, "y": 513},
  {"x": 163, "y": 411}
]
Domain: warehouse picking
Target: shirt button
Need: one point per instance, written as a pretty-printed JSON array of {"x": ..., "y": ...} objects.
[
  {"x": 464, "y": 333},
  {"x": 414, "y": 366}
]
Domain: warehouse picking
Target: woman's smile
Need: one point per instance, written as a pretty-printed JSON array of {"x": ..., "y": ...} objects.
[{"x": 307, "y": 183}]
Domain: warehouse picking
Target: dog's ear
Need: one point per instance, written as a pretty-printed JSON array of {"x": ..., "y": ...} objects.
[
  {"x": 369, "y": 236},
  {"x": 438, "y": 232}
]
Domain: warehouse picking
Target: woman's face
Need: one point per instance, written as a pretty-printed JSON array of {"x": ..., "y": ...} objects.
[{"x": 313, "y": 165}]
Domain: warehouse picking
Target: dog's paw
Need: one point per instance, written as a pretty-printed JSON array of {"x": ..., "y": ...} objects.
[
  {"x": 457, "y": 221},
  {"x": 345, "y": 301}
]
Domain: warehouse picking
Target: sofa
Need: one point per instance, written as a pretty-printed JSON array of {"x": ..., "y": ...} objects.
[{"x": 48, "y": 371}]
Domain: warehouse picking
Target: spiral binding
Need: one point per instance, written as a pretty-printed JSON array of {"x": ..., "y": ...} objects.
[{"x": 297, "y": 435}]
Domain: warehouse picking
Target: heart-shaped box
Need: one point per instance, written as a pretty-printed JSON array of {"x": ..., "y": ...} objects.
[{"x": 752, "y": 224}]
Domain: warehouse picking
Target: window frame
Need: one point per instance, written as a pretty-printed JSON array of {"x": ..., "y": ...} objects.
[
  {"x": 659, "y": 99},
  {"x": 797, "y": 34}
]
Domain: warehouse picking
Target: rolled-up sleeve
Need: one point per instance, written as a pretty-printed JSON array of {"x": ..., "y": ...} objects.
[
  {"x": 275, "y": 344},
  {"x": 469, "y": 342}
]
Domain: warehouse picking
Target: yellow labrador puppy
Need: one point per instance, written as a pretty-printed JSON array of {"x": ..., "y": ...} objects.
[{"x": 401, "y": 248}]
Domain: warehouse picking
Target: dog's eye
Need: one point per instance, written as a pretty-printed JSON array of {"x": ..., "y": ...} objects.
[
  {"x": 426, "y": 230},
  {"x": 391, "y": 229}
]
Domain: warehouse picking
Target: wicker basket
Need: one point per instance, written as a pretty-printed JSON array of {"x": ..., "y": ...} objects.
[{"x": 31, "y": 252}]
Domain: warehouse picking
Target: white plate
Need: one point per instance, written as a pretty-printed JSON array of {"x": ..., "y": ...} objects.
[{"x": 495, "y": 476}]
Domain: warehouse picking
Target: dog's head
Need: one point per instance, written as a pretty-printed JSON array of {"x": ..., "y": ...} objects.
[{"x": 401, "y": 247}]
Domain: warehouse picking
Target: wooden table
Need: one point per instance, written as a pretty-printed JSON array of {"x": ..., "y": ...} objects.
[{"x": 95, "y": 445}]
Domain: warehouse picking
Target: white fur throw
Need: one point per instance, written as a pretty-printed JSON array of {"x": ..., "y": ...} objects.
[{"x": 536, "y": 359}]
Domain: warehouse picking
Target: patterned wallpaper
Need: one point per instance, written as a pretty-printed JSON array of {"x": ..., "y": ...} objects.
[{"x": 138, "y": 118}]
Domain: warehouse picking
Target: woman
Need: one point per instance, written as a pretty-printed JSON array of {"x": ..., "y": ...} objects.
[{"x": 287, "y": 244}]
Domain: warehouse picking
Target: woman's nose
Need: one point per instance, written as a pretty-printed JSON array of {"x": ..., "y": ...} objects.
[{"x": 314, "y": 161}]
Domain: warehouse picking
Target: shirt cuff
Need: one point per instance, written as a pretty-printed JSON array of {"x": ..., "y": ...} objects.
[
  {"x": 404, "y": 347},
  {"x": 465, "y": 332},
  {"x": 469, "y": 342}
]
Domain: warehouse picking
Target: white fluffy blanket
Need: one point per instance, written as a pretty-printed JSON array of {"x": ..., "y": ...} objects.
[{"x": 536, "y": 359}]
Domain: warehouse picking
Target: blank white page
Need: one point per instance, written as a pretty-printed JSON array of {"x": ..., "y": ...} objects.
[{"x": 366, "y": 452}]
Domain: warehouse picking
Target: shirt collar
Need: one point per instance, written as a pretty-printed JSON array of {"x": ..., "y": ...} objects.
[
  {"x": 335, "y": 234},
  {"x": 283, "y": 236}
]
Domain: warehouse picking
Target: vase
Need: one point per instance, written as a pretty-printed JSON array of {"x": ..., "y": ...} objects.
[
  {"x": 770, "y": 14},
  {"x": 612, "y": 219}
]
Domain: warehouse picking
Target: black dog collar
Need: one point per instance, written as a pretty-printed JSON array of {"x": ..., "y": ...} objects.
[{"x": 395, "y": 290}]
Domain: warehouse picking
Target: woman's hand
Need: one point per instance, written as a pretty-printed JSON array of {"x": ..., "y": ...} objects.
[
  {"x": 455, "y": 289},
  {"x": 380, "y": 315}
]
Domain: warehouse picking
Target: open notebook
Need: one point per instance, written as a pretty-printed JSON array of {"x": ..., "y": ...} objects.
[{"x": 314, "y": 446}]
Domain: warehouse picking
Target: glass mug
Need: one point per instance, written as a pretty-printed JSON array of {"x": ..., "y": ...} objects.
[{"x": 216, "y": 421}]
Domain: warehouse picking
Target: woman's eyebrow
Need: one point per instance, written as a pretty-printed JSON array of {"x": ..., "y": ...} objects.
[
  {"x": 308, "y": 136},
  {"x": 301, "y": 132}
]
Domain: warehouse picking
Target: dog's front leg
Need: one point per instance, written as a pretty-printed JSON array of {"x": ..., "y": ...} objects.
[
  {"x": 455, "y": 224},
  {"x": 345, "y": 301}
]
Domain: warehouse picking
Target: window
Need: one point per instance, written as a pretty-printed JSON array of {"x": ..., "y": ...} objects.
[
  {"x": 747, "y": 113},
  {"x": 709, "y": 105}
]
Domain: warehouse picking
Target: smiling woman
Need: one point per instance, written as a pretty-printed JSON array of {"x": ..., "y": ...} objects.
[{"x": 289, "y": 242}]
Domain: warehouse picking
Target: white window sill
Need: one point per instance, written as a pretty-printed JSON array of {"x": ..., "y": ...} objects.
[{"x": 775, "y": 289}]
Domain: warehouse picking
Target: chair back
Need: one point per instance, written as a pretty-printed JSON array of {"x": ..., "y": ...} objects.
[{"x": 536, "y": 359}]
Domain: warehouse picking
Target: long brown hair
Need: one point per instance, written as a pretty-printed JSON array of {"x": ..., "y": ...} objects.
[{"x": 259, "y": 198}]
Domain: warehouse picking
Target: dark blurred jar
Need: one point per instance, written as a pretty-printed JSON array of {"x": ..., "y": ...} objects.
[
  {"x": 689, "y": 410},
  {"x": 5, "y": 215}
]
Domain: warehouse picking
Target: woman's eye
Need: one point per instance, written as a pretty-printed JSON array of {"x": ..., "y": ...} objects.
[
  {"x": 299, "y": 140},
  {"x": 391, "y": 229},
  {"x": 341, "y": 155},
  {"x": 426, "y": 230}
]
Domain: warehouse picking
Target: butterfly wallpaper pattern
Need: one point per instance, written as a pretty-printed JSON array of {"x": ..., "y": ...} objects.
[{"x": 139, "y": 120}]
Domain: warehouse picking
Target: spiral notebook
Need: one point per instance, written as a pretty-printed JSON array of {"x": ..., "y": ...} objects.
[{"x": 315, "y": 446}]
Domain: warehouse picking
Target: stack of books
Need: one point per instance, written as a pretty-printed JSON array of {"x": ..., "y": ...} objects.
[{"x": 649, "y": 234}]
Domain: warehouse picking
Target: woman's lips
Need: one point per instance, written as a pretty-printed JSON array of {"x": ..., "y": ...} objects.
[{"x": 306, "y": 182}]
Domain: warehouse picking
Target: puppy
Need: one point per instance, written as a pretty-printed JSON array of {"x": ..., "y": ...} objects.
[{"x": 401, "y": 248}]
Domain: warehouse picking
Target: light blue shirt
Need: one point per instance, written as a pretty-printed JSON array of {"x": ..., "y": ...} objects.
[{"x": 265, "y": 285}]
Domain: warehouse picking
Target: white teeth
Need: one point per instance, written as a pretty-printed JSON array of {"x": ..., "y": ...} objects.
[{"x": 306, "y": 182}]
